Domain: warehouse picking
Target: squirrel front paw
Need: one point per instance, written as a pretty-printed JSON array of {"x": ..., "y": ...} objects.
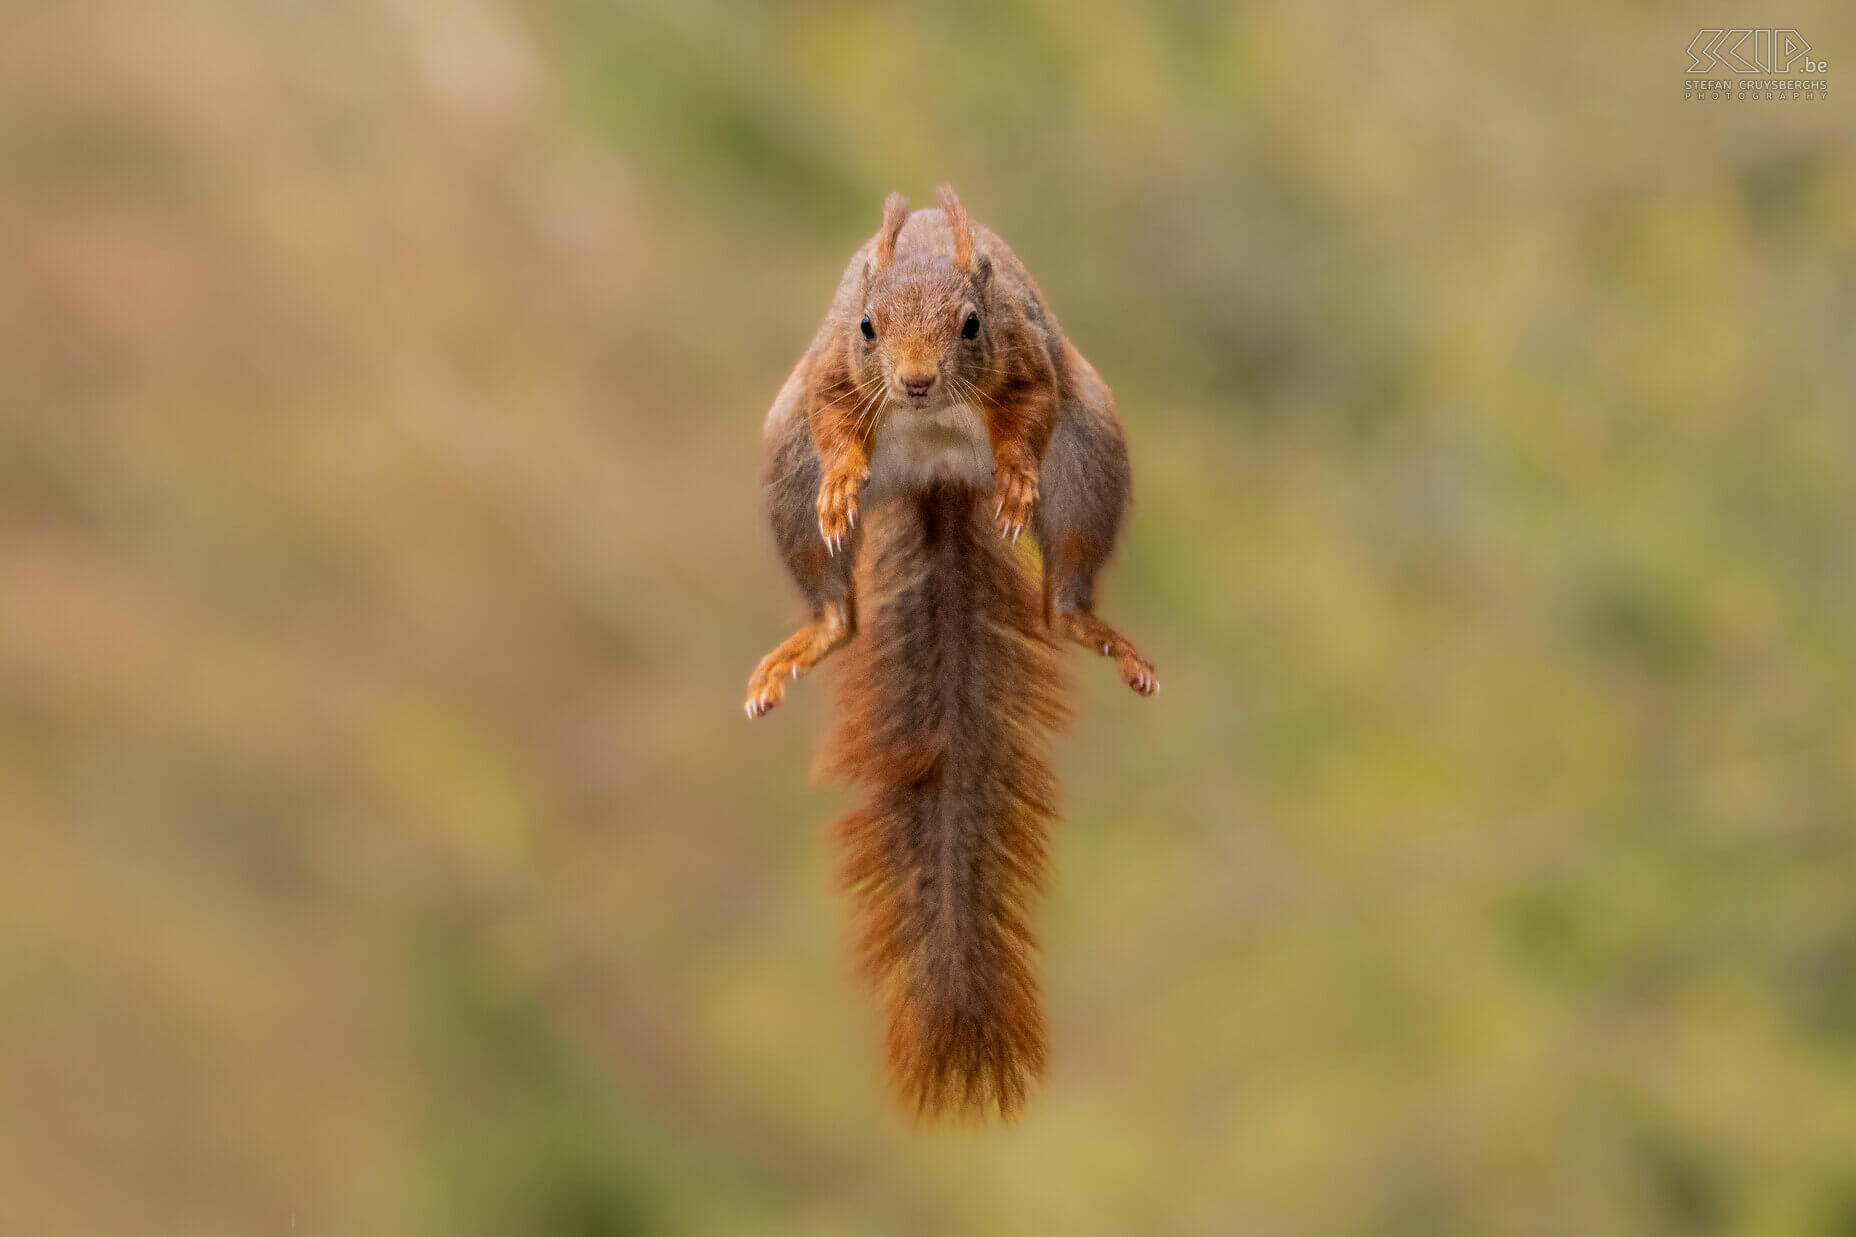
[
  {"x": 837, "y": 505},
  {"x": 1017, "y": 489}
]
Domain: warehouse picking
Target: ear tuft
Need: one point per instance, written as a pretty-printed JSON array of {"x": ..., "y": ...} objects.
[
  {"x": 961, "y": 226},
  {"x": 895, "y": 214}
]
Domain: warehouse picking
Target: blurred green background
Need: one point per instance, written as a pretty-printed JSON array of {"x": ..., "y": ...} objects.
[{"x": 384, "y": 849}]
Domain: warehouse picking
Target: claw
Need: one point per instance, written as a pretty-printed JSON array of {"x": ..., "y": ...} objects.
[{"x": 795, "y": 670}]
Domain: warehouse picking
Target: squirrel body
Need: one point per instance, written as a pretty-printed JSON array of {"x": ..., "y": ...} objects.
[{"x": 938, "y": 413}]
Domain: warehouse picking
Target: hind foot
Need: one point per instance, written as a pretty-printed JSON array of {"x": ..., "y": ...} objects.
[
  {"x": 1094, "y": 634},
  {"x": 796, "y": 654}
]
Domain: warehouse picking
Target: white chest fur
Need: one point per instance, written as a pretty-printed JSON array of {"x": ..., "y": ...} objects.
[{"x": 915, "y": 448}]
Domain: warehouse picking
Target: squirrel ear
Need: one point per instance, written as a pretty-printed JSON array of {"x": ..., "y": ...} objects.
[
  {"x": 962, "y": 228},
  {"x": 982, "y": 273},
  {"x": 895, "y": 214}
]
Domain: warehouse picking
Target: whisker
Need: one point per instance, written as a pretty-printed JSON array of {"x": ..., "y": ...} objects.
[
  {"x": 871, "y": 407},
  {"x": 858, "y": 390},
  {"x": 856, "y": 396},
  {"x": 980, "y": 395}
]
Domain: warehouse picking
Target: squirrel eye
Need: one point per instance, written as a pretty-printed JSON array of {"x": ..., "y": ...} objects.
[
  {"x": 970, "y": 329},
  {"x": 869, "y": 331}
]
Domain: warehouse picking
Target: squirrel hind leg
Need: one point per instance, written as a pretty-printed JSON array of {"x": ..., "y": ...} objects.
[
  {"x": 789, "y": 489},
  {"x": 797, "y": 654},
  {"x": 792, "y": 476},
  {"x": 1084, "y": 484},
  {"x": 1070, "y": 566}
]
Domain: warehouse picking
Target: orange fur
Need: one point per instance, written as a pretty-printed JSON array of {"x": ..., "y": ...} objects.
[
  {"x": 942, "y": 716},
  {"x": 961, "y": 227},
  {"x": 951, "y": 683},
  {"x": 895, "y": 214}
]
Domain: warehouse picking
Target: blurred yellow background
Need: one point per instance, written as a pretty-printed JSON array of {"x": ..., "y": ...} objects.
[{"x": 382, "y": 847}]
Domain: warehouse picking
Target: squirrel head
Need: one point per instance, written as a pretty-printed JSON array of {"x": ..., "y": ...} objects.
[{"x": 924, "y": 333}]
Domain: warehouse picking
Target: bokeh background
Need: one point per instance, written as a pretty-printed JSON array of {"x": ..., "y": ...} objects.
[{"x": 382, "y": 846}]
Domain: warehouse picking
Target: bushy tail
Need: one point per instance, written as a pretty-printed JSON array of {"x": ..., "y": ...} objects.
[{"x": 949, "y": 691}]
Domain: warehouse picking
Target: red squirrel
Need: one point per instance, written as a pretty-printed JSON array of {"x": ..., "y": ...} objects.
[{"x": 938, "y": 413}]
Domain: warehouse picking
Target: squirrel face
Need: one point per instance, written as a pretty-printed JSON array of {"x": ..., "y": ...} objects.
[
  {"x": 924, "y": 340},
  {"x": 923, "y": 335}
]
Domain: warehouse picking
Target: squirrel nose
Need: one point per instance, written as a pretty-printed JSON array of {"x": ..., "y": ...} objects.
[{"x": 917, "y": 384}]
